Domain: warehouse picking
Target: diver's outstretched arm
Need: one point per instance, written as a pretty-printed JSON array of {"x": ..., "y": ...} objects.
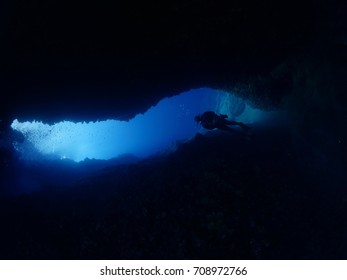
[
  {"x": 245, "y": 127},
  {"x": 227, "y": 122}
]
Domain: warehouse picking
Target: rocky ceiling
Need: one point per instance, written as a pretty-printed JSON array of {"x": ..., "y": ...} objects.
[{"x": 97, "y": 60}]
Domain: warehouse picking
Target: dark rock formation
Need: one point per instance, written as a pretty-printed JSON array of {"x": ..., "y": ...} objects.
[
  {"x": 216, "y": 197},
  {"x": 88, "y": 61}
]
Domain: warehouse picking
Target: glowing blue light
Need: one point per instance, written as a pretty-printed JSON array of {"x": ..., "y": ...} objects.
[{"x": 172, "y": 119}]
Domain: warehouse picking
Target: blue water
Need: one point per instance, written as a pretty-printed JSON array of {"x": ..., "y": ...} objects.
[{"x": 171, "y": 120}]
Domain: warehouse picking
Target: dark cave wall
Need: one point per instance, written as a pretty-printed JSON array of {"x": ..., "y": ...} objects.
[{"x": 112, "y": 60}]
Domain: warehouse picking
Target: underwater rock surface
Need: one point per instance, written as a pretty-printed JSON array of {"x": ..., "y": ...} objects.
[{"x": 218, "y": 196}]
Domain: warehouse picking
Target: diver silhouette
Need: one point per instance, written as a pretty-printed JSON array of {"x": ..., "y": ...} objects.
[{"x": 210, "y": 120}]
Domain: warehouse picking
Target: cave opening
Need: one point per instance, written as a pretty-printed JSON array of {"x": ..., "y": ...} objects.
[{"x": 158, "y": 129}]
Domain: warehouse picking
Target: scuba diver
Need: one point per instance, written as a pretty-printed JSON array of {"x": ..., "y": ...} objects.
[{"x": 210, "y": 120}]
